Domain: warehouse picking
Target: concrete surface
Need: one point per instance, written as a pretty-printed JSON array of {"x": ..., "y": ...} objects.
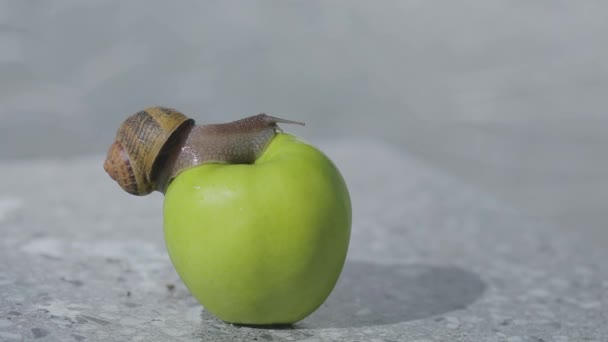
[{"x": 431, "y": 259}]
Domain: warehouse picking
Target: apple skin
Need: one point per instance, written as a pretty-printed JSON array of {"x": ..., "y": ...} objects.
[{"x": 263, "y": 243}]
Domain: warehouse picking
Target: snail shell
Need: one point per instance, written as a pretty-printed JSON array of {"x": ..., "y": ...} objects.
[{"x": 138, "y": 145}]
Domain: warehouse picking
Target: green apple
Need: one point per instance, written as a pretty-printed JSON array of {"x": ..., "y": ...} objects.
[{"x": 262, "y": 243}]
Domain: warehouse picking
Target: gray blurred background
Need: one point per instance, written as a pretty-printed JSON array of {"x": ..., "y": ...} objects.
[{"x": 509, "y": 96}]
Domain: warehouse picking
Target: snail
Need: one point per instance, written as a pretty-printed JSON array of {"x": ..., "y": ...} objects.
[{"x": 154, "y": 145}]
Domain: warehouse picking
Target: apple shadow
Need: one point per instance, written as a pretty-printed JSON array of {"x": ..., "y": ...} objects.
[{"x": 369, "y": 294}]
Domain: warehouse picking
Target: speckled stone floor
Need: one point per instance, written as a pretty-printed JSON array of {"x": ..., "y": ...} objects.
[{"x": 431, "y": 259}]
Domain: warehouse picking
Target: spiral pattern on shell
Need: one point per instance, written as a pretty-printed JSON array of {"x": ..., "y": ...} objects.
[{"x": 139, "y": 141}]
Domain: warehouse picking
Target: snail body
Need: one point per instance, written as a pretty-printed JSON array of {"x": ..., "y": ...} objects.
[{"x": 154, "y": 145}]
